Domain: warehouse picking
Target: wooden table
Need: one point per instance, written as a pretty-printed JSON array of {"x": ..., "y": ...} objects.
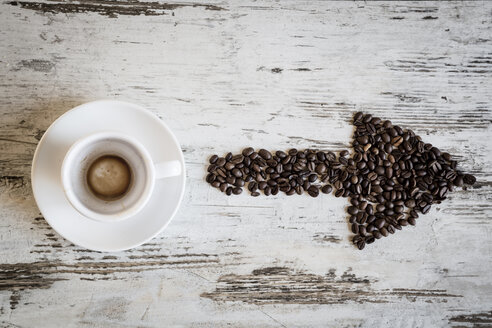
[{"x": 267, "y": 74}]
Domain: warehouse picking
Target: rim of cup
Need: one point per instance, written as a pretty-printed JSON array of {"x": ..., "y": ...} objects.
[{"x": 77, "y": 204}]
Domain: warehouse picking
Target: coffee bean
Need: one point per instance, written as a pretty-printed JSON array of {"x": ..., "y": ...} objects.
[
  {"x": 384, "y": 232},
  {"x": 255, "y": 194},
  {"x": 321, "y": 168},
  {"x": 403, "y": 222},
  {"x": 313, "y": 191},
  {"x": 213, "y": 159},
  {"x": 361, "y": 244},
  {"x": 353, "y": 210},
  {"x": 222, "y": 172},
  {"x": 280, "y": 154},
  {"x": 469, "y": 179},
  {"x": 236, "y": 159},
  {"x": 239, "y": 183},
  {"x": 410, "y": 203},
  {"x": 210, "y": 177},
  {"x": 237, "y": 191},
  {"x": 248, "y": 151},
  {"x": 220, "y": 162},
  {"x": 265, "y": 154},
  {"x": 229, "y": 191},
  {"x": 275, "y": 190},
  {"x": 355, "y": 228},
  {"x": 377, "y": 234},
  {"x": 326, "y": 189},
  {"x": 426, "y": 209},
  {"x": 379, "y": 223},
  {"x": 237, "y": 173},
  {"x": 412, "y": 221},
  {"x": 363, "y": 140},
  {"x": 247, "y": 161}
]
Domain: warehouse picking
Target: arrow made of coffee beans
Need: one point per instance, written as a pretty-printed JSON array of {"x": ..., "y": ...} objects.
[{"x": 390, "y": 177}]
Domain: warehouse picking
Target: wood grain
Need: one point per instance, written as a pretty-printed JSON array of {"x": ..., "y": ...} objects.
[{"x": 229, "y": 74}]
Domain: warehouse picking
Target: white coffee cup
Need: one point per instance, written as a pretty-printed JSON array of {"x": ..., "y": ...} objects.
[{"x": 144, "y": 174}]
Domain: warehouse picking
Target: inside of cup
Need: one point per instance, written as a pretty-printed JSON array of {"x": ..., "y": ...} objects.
[{"x": 81, "y": 160}]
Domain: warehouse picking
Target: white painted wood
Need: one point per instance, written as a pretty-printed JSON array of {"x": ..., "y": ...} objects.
[{"x": 236, "y": 73}]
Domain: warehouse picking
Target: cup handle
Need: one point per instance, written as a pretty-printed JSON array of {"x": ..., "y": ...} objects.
[{"x": 168, "y": 169}]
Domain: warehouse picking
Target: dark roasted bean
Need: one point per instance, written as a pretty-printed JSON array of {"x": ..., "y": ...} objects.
[
  {"x": 313, "y": 191},
  {"x": 379, "y": 223},
  {"x": 210, "y": 177},
  {"x": 265, "y": 154},
  {"x": 239, "y": 183},
  {"x": 326, "y": 189},
  {"x": 469, "y": 179},
  {"x": 248, "y": 151},
  {"x": 213, "y": 159},
  {"x": 220, "y": 162},
  {"x": 321, "y": 168},
  {"x": 352, "y": 210}
]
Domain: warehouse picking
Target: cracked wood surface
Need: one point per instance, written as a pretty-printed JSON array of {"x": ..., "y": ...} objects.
[{"x": 228, "y": 74}]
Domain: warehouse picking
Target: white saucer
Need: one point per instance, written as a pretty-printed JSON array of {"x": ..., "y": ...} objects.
[{"x": 106, "y": 115}]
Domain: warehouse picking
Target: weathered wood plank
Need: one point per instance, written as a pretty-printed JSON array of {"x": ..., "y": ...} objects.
[{"x": 229, "y": 74}]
